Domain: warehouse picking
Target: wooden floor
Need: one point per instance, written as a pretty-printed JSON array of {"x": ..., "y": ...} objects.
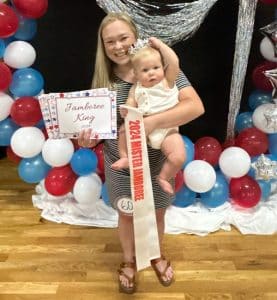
[{"x": 44, "y": 260}]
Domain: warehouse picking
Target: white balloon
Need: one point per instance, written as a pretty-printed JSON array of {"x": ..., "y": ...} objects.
[
  {"x": 27, "y": 141},
  {"x": 265, "y": 117},
  {"x": 199, "y": 176},
  {"x": 5, "y": 105},
  {"x": 19, "y": 54},
  {"x": 267, "y": 49},
  {"x": 57, "y": 152},
  {"x": 87, "y": 189},
  {"x": 234, "y": 162}
]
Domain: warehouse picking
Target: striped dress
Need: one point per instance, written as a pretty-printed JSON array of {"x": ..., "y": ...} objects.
[{"x": 118, "y": 182}]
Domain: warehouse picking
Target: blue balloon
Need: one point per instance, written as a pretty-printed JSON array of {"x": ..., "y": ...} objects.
[
  {"x": 219, "y": 194},
  {"x": 27, "y": 29},
  {"x": 272, "y": 148},
  {"x": 2, "y": 47},
  {"x": 8, "y": 40},
  {"x": 26, "y": 82},
  {"x": 265, "y": 186},
  {"x": 105, "y": 195},
  {"x": 7, "y": 128},
  {"x": 189, "y": 150},
  {"x": 84, "y": 161},
  {"x": 184, "y": 197},
  {"x": 40, "y": 124},
  {"x": 34, "y": 169},
  {"x": 244, "y": 120},
  {"x": 258, "y": 98}
]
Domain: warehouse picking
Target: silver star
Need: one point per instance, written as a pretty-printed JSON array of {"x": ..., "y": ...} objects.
[{"x": 265, "y": 168}]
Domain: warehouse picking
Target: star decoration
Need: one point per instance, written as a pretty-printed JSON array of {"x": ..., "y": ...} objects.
[
  {"x": 272, "y": 76},
  {"x": 270, "y": 116},
  {"x": 265, "y": 168}
]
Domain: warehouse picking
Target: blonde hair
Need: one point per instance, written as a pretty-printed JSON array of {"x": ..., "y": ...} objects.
[
  {"x": 144, "y": 52},
  {"x": 103, "y": 68}
]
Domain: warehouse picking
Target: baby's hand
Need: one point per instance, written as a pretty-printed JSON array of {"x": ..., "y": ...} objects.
[
  {"x": 123, "y": 112},
  {"x": 154, "y": 42}
]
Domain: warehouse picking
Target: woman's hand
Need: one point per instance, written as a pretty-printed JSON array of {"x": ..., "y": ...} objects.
[{"x": 84, "y": 139}]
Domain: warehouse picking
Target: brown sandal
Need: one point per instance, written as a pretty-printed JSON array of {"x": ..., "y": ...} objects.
[
  {"x": 160, "y": 274},
  {"x": 131, "y": 280}
]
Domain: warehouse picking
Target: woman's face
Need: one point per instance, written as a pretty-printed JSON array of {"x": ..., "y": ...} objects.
[{"x": 117, "y": 38}]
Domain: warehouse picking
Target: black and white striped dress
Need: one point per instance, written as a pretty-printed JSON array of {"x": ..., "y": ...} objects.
[{"x": 118, "y": 182}]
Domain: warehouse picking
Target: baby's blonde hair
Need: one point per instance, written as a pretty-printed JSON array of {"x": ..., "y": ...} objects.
[
  {"x": 103, "y": 68},
  {"x": 143, "y": 52}
]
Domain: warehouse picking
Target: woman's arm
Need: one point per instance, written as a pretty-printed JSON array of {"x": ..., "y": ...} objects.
[{"x": 189, "y": 108}]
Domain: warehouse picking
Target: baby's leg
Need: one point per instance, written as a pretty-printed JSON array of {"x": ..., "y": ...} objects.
[
  {"x": 174, "y": 149},
  {"x": 123, "y": 162}
]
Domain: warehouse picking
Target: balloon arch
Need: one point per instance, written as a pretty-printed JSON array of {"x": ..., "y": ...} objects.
[{"x": 242, "y": 172}]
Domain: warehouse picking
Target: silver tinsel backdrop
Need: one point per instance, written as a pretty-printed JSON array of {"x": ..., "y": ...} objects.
[{"x": 173, "y": 22}]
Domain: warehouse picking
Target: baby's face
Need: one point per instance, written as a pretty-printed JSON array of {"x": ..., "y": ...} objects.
[{"x": 149, "y": 70}]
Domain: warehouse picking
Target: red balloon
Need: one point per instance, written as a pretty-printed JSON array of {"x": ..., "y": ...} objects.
[
  {"x": 245, "y": 191},
  {"x": 100, "y": 156},
  {"x": 269, "y": 2},
  {"x": 179, "y": 181},
  {"x": 5, "y": 76},
  {"x": 31, "y": 8},
  {"x": 12, "y": 156},
  {"x": 25, "y": 111},
  {"x": 60, "y": 180},
  {"x": 253, "y": 141},
  {"x": 259, "y": 79},
  {"x": 8, "y": 21},
  {"x": 207, "y": 148}
]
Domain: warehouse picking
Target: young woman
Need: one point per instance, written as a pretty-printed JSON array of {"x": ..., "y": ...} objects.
[{"x": 113, "y": 69}]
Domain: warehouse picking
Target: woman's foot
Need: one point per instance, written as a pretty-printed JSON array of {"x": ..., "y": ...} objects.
[
  {"x": 165, "y": 185},
  {"x": 163, "y": 270},
  {"x": 126, "y": 278},
  {"x": 122, "y": 163}
]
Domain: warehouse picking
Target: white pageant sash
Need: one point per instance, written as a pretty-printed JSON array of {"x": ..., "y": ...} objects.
[{"x": 145, "y": 226}]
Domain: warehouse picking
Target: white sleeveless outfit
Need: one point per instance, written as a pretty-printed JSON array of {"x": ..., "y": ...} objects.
[{"x": 155, "y": 99}]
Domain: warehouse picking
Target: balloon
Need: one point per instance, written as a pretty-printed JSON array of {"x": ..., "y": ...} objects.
[
  {"x": 87, "y": 189},
  {"x": 8, "y": 21},
  {"x": 5, "y": 76},
  {"x": 7, "y": 129},
  {"x": 234, "y": 162},
  {"x": 184, "y": 197},
  {"x": 259, "y": 97},
  {"x": 199, "y": 176},
  {"x": 189, "y": 146},
  {"x": 265, "y": 187},
  {"x": 57, "y": 152},
  {"x": 6, "y": 103},
  {"x": 243, "y": 120},
  {"x": 31, "y": 8},
  {"x": 253, "y": 141},
  {"x": 219, "y": 194},
  {"x": 60, "y": 180},
  {"x": 27, "y": 141},
  {"x": 27, "y": 29},
  {"x": 105, "y": 195},
  {"x": 208, "y": 149},
  {"x": 12, "y": 156},
  {"x": 26, "y": 82},
  {"x": 259, "y": 79},
  {"x": 264, "y": 118},
  {"x": 99, "y": 151},
  {"x": 267, "y": 49},
  {"x": 33, "y": 170},
  {"x": 25, "y": 111},
  {"x": 84, "y": 161},
  {"x": 2, "y": 48},
  {"x": 272, "y": 76},
  {"x": 19, "y": 54},
  {"x": 272, "y": 138},
  {"x": 245, "y": 191},
  {"x": 179, "y": 180}
]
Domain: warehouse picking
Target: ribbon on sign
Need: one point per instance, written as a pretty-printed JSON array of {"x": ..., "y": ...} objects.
[{"x": 147, "y": 245}]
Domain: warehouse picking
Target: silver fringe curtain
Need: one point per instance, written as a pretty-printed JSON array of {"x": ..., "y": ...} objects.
[{"x": 173, "y": 22}]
